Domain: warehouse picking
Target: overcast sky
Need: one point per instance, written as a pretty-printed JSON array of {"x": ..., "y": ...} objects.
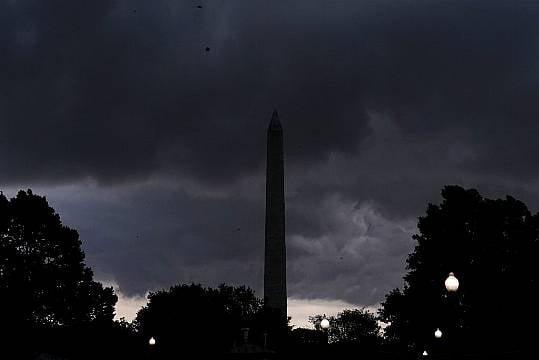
[{"x": 144, "y": 125}]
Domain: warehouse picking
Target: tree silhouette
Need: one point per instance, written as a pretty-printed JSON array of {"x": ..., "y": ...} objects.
[
  {"x": 191, "y": 318},
  {"x": 491, "y": 246},
  {"x": 351, "y": 326},
  {"x": 44, "y": 283}
]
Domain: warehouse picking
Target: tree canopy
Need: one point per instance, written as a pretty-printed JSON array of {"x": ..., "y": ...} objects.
[
  {"x": 491, "y": 246},
  {"x": 44, "y": 282},
  {"x": 190, "y": 317},
  {"x": 351, "y": 326}
]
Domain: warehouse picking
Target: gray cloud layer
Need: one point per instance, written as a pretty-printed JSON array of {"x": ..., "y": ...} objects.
[{"x": 382, "y": 102}]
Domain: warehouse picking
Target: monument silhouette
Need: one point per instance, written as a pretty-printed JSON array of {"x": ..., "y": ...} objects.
[{"x": 275, "y": 246}]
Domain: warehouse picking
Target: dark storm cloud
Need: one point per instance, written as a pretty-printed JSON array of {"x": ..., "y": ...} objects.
[
  {"x": 382, "y": 103},
  {"x": 115, "y": 94},
  {"x": 120, "y": 90},
  {"x": 152, "y": 235}
]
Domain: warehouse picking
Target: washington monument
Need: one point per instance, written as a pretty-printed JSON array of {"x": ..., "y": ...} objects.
[{"x": 275, "y": 247}]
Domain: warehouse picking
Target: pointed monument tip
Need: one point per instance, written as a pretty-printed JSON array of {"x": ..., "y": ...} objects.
[{"x": 275, "y": 123}]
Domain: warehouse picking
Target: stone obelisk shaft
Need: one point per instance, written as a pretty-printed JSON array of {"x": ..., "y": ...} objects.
[{"x": 275, "y": 247}]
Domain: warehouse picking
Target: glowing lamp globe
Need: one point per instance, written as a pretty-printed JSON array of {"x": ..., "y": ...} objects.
[
  {"x": 425, "y": 353},
  {"x": 151, "y": 341},
  {"x": 324, "y": 324},
  {"x": 451, "y": 283},
  {"x": 438, "y": 333}
]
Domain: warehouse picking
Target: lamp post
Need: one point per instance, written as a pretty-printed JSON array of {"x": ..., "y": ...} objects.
[
  {"x": 451, "y": 283},
  {"x": 151, "y": 351},
  {"x": 324, "y": 324},
  {"x": 438, "y": 334}
]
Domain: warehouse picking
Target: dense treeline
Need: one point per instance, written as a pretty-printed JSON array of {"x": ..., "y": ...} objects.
[
  {"x": 491, "y": 246},
  {"x": 51, "y": 304}
]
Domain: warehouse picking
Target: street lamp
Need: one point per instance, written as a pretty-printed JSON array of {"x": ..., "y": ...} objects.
[
  {"x": 151, "y": 349},
  {"x": 324, "y": 324},
  {"x": 425, "y": 353},
  {"x": 438, "y": 333},
  {"x": 451, "y": 283}
]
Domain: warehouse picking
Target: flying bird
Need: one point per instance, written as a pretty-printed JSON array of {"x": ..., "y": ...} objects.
[
  {"x": 207, "y": 48},
  {"x": 199, "y": 6}
]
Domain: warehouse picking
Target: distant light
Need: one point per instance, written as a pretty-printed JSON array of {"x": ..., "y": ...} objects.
[
  {"x": 324, "y": 324},
  {"x": 451, "y": 283},
  {"x": 425, "y": 353},
  {"x": 438, "y": 333},
  {"x": 151, "y": 341}
]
